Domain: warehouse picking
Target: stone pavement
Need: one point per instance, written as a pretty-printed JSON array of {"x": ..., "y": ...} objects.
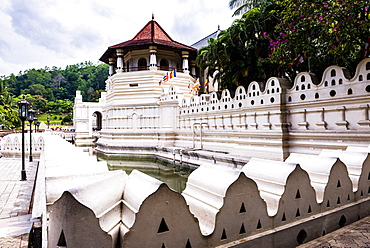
[
  {"x": 355, "y": 235},
  {"x": 15, "y": 202}
]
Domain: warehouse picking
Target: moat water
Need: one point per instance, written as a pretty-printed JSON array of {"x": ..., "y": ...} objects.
[{"x": 174, "y": 175}]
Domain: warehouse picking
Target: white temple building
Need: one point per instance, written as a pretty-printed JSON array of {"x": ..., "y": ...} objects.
[
  {"x": 142, "y": 111},
  {"x": 296, "y": 153}
]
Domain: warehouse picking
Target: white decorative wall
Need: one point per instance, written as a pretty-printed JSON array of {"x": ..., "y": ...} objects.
[
  {"x": 265, "y": 203},
  {"x": 304, "y": 116}
]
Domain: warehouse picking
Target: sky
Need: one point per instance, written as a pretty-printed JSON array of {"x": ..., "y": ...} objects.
[{"x": 40, "y": 33}]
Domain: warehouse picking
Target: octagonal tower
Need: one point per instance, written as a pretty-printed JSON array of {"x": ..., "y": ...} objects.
[{"x": 138, "y": 67}]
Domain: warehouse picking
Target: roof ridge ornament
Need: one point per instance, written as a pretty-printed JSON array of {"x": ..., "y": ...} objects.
[{"x": 152, "y": 16}]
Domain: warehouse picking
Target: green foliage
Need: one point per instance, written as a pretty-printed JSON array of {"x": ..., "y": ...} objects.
[
  {"x": 59, "y": 106},
  {"x": 284, "y": 37},
  {"x": 50, "y": 91},
  {"x": 323, "y": 33},
  {"x": 94, "y": 95},
  {"x": 8, "y": 118},
  {"x": 68, "y": 119},
  {"x": 57, "y": 84},
  {"x": 242, "y": 6},
  {"x": 237, "y": 56},
  {"x": 37, "y": 103},
  {"x": 8, "y": 109}
]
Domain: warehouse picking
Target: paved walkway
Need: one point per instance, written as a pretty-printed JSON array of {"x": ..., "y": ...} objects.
[
  {"x": 15, "y": 202},
  {"x": 355, "y": 235}
]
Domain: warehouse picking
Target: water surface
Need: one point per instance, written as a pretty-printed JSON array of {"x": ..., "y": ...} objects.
[{"x": 174, "y": 175}]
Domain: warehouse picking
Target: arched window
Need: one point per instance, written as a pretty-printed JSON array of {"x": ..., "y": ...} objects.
[
  {"x": 97, "y": 121},
  {"x": 141, "y": 64},
  {"x": 164, "y": 65}
]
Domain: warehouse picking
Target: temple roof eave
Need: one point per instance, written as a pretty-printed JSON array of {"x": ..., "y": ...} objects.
[
  {"x": 166, "y": 43},
  {"x": 152, "y": 34},
  {"x": 111, "y": 51}
]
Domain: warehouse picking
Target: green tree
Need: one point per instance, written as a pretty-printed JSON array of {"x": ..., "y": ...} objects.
[
  {"x": 66, "y": 105},
  {"x": 57, "y": 83},
  {"x": 62, "y": 93},
  {"x": 239, "y": 55},
  {"x": 8, "y": 109},
  {"x": 68, "y": 119},
  {"x": 60, "y": 106},
  {"x": 94, "y": 96},
  {"x": 49, "y": 94},
  {"x": 37, "y": 102},
  {"x": 35, "y": 89},
  {"x": 9, "y": 118},
  {"x": 243, "y": 6},
  {"x": 313, "y": 35}
]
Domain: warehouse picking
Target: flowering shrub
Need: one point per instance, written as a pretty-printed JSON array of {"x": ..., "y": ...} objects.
[{"x": 324, "y": 32}]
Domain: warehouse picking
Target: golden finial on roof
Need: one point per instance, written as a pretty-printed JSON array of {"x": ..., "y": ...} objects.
[{"x": 152, "y": 16}]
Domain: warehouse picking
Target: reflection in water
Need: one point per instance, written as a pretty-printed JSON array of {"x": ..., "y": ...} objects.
[{"x": 174, "y": 175}]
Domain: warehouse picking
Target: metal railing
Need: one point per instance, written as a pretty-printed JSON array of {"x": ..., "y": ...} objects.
[{"x": 146, "y": 68}]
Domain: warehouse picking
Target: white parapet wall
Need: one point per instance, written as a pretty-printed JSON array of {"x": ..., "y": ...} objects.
[
  {"x": 265, "y": 203},
  {"x": 304, "y": 116},
  {"x": 11, "y": 145}
]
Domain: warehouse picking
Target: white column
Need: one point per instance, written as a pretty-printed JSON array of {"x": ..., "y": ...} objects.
[
  {"x": 119, "y": 53},
  {"x": 111, "y": 66},
  {"x": 185, "y": 62},
  {"x": 192, "y": 68},
  {"x": 153, "y": 58}
]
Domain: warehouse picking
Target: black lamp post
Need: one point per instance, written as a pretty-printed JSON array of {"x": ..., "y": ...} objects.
[
  {"x": 48, "y": 120},
  {"x": 23, "y": 111},
  {"x": 37, "y": 124},
  {"x": 30, "y": 116}
]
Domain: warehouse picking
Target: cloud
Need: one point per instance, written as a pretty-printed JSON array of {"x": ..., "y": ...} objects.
[
  {"x": 28, "y": 21},
  {"x": 86, "y": 39},
  {"x": 59, "y": 33},
  {"x": 201, "y": 19}
]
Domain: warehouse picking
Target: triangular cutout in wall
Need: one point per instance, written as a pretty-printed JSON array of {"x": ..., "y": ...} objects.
[{"x": 163, "y": 227}]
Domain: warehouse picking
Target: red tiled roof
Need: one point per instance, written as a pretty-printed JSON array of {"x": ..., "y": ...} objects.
[{"x": 151, "y": 34}]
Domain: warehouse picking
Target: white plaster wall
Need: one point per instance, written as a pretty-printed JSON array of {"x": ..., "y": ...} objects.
[
  {"x": 277, "y": 120},
  {"x": 220, "y": 206}
]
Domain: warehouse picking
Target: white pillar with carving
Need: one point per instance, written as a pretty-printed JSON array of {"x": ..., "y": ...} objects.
[
  {"x": 192, "y": 67},
  {"x": 111, "y": 66},
  {"x": 119, "y": 53},
  {"x": 185, "y": 62},
  {"x": 153, "y": 58}
]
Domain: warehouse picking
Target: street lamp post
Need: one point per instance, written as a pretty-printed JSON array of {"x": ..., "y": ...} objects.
[
  {"x": 37, "y": 124},
  {"x": 48, "y": 120},
  {"x": 23, "y": 109},
  {"x": 30, "y": 116}
]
